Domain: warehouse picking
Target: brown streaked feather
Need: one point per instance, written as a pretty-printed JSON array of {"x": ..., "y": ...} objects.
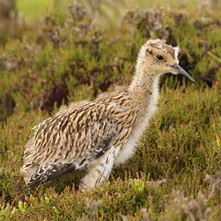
[{"x": 71, "y": 140}]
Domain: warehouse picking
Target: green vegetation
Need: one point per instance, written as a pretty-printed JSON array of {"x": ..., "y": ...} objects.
[
  {"x": 175, "y": 172},
  {"x": 33, "y": 9}
]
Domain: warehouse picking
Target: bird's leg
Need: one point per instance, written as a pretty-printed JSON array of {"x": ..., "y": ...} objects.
[{"x": 100, "y": 170}]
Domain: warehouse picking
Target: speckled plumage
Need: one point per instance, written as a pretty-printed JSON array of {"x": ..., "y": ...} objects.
[{"x": 94, "y": 136}]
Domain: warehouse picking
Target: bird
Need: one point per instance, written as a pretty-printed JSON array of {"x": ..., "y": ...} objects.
[{"x": 94, "y": 136}]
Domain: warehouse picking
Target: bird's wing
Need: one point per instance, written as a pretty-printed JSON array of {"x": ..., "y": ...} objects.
[
  {"x": 69, "y": 141},
  {"x": 50, "y": 172}
]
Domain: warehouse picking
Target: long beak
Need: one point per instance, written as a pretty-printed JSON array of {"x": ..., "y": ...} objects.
[{"x": 180, "y": 70}]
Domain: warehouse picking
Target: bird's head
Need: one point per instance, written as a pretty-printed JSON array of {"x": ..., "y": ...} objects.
[{"x": 160, "y": 58}]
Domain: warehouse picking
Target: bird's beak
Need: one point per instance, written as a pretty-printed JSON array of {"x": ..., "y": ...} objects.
[{"x": 180, "y": 70}]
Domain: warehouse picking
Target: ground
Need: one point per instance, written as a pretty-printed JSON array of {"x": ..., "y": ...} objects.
[{"x": 63, "y": 57}]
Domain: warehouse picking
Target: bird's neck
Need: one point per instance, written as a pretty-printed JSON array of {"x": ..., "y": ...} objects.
[
  {"x": 144, "y": 86},
  {"x": 144, "y": 95}
]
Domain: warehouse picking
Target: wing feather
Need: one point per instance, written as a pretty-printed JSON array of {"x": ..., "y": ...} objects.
[
  {"x": 68, "y": 142},
  {"x": 52, "y": 172}
]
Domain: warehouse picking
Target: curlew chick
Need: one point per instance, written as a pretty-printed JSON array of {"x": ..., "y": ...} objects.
[{"x": 94, "y": 136}]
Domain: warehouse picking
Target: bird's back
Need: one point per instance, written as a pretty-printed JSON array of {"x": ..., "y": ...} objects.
[{"x": 75, "y": 136}]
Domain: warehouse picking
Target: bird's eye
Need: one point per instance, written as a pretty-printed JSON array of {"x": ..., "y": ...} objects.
[{"x": 159, "y": 57}]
